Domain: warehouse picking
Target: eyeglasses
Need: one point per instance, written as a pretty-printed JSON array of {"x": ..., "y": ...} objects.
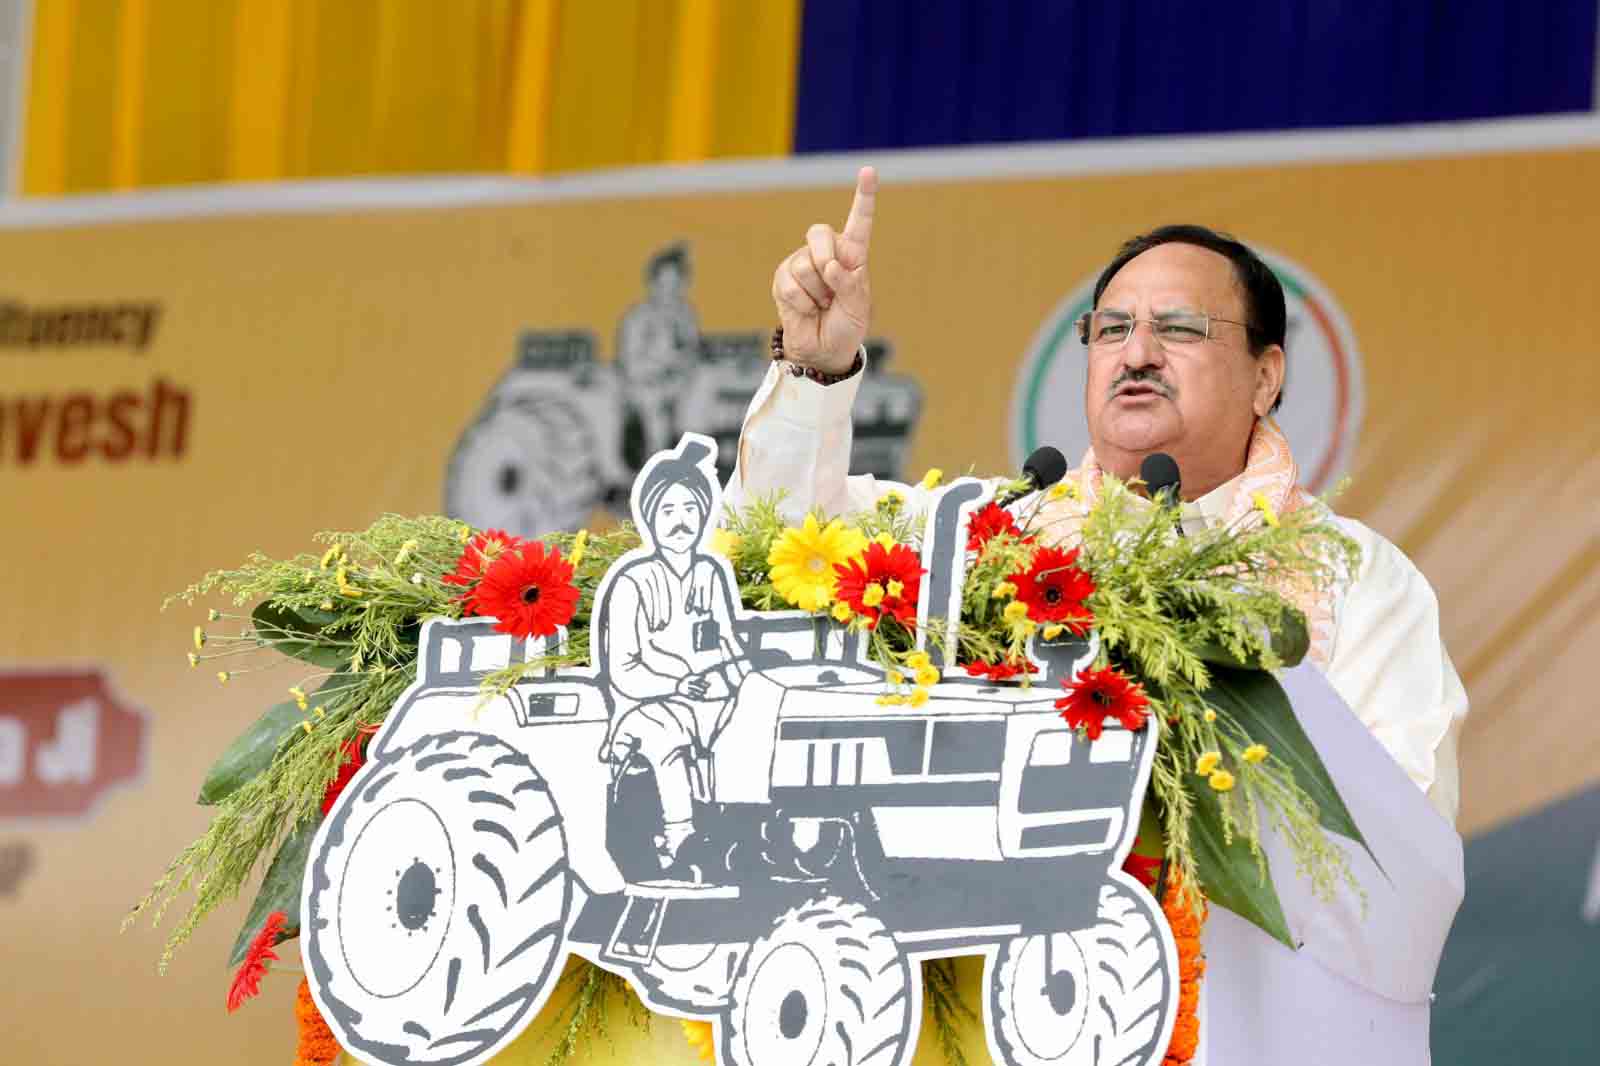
[{"x": 1110, "y": 330}]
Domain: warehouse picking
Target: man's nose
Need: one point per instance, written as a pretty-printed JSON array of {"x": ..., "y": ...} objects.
[{"x": 1142, "y": 349}]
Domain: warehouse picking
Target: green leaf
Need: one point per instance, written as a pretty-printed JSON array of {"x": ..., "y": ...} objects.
[
  {"x": 250, "y": 754},
  {"x": 255, "y": 748},
  {"x": 1230, "y": 875},
  {"x": 1291, "y": 639},
  {"x": 296, "y": 632},
  {"x": 280, "y": 890},
  {"x": 1255, "y": 700}
]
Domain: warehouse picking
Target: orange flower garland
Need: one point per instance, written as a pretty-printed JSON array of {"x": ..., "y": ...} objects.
[
  {"x": 1186, "y": 926},
  {"x": 317, "y": 1044}
]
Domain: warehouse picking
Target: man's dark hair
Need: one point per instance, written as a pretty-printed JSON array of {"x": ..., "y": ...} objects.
[
  {"x": 1264, "y": 310},
  {"x": 673, "y": 255},
  {"x": 684, "y": 469}
]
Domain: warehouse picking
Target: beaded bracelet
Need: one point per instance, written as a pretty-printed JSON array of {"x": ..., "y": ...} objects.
[{"x": 820, "y": 377}]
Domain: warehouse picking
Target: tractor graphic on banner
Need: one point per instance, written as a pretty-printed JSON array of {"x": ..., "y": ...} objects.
[
  {"x": 719, "y": 809},
  {"x": 562, "y": 434}
]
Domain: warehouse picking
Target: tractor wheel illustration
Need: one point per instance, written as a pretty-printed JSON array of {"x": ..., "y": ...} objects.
[
  {"x": 526, "y": 466},
  {"x": 1094, "y": 998},
  {"x": 437, "y": 909},
  {"x": 827, "y": 987},
  {"x": 692, "y": 976}
]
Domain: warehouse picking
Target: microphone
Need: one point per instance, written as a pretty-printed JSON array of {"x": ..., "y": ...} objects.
[
  {"x": 1159, "y": 472},
  {"x": 1044, "y": 468}
]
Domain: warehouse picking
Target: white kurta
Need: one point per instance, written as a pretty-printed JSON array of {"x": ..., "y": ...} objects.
[{"x": 1388, "y": 664}]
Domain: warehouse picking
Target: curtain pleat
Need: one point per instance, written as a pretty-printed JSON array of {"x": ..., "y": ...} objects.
[{"x": 164, "y": 92}]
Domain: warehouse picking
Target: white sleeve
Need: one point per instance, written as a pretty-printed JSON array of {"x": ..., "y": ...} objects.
[
  {"x": 796, "y": 438},
  {"x": 1390, "y": 665}
]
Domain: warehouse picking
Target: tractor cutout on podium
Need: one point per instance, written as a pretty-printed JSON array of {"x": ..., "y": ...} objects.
[{"x": 719, "y": 809}]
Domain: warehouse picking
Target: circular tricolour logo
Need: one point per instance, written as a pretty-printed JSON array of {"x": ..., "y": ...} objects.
[{"x": 1321, "y": 412}]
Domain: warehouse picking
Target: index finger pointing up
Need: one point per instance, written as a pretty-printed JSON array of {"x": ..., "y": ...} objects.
[{"x": 858, "y": 227}]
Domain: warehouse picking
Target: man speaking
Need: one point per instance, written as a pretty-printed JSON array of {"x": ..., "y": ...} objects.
[{"x": 1185, "y": 349}]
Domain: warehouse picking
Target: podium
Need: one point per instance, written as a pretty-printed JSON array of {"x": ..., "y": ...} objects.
[{"x": 1359, "y": 989}]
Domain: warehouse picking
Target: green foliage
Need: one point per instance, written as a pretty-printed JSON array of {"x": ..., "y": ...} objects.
[
  {"x": 280, "y": 890},
  {"x": 251, "y": 754},
  {"x": 945, "y": 1009},
  {"x": 1182, "y": 615}
]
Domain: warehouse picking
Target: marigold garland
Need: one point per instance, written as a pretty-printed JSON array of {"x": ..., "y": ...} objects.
[
  {"x": 1186, "y": 926},
  {"x": 317, "y": 1046}
]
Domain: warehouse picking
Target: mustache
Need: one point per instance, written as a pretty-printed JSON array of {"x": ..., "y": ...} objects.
[
  {"x": 1141, "y": 376},
  {"x": 679, "y": 528}
]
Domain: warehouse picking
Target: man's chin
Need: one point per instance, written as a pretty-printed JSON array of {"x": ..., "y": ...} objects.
[{"x": 1133, "y": 434}]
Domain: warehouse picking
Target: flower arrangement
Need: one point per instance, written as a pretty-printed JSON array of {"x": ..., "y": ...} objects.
[{"x": 1188, "y": 628}]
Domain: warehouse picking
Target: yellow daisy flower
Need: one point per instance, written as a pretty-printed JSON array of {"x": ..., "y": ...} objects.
[
  {"x": 918, "y": 697},
  {"x": 841, "y": 612},
  {"x": 1016, "y": 611},
  {"x": 1065, "y": 489},
  {"x": 802, "y": 560},
  {"x": 872, "y": 595},
  {"x": 699, "y": 1036},
  {"x": 1255, "y": 753},
  {"x": 927, "y": 676},
  {"x": 1210, "y": 715},
  {"x": 581, "y": 542},
  {"x": 1222, "y": 781},
  {"x": 199, "y": 638},
  {"x": 896, "y": 588},
  {"x": 1051, "y": 632},
  {"x": 891, "y": 699},
  {"x": 932, "y": 478},
  {"x": 1268, "y": 515},
  {"x": 918, "y": 659},
  {"x": 1004, "y": 590},
  {"x": 1207, "y": 763},
  {"x": 726, "y": 543}
]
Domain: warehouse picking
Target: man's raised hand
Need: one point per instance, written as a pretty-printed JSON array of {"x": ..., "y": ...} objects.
[{"x": 822, "y": 292}]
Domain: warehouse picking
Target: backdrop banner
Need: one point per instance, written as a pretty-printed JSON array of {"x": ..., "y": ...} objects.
[{"x": 181, "y": 388}]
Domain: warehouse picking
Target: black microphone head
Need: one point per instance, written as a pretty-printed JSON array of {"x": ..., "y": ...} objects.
[
  {"x": 1159, "y": 472},
  {"x": 1045, "y": 467}
]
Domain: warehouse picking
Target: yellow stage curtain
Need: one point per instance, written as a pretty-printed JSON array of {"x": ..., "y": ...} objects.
[{"x": 164, "y": 92}]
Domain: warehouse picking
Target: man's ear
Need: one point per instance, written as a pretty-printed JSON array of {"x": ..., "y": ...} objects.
[{"x": 1269, "y": 379}]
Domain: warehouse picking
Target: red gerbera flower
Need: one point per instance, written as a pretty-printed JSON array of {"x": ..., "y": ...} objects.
[
  {"x": 1144, "y": 869},
  {"x": 881, "y": 581},
  {"x": 989, "y": 521},
  {"x": 1054, "y": 587},
  {"x": 247, "y": 982},
  {"x": 1100, "y": 694},
  {"x": 529, "y": 591},
  {"x": 1000, "y": 671},
  {"x": 479, "y": 554},
  {"x": 354, "y": 755}
]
